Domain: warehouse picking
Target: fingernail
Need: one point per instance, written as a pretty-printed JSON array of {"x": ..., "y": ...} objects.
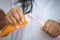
[
  {"x": 22, "y": 20},
  {"x": 48, "y": 25},
  {"x": 41, "y": 28},
  {"x": 16, "y": 26},
  {"x": 0, "y": 31}
]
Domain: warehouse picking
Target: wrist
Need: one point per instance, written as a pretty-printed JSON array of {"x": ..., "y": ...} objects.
[
  {"x": 3, "y": 23},
  {"x": 59, "y": 23}
]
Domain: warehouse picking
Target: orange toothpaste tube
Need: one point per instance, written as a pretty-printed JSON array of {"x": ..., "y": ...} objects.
[{"x": 9, "y": 28}]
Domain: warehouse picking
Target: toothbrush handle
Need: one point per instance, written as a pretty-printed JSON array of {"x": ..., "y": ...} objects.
[{"x": 36, "y": 19}]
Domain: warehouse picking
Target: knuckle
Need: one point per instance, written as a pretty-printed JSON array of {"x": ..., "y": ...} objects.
[{"x": 11, "y": 10}]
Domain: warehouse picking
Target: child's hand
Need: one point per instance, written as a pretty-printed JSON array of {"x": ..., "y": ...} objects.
[
  {"x": 15, "y": 15},
  {"x": 52, "y": 28}
]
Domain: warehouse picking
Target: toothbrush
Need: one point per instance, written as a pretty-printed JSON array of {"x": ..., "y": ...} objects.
[
  {"x": 36, "y": 19},
  {"x": 39, "y": 21}
]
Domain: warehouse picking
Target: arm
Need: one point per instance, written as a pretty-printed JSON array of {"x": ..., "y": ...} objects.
[
  {"x": 59, "y": 23},
  {"x": 2, "y": 19}
]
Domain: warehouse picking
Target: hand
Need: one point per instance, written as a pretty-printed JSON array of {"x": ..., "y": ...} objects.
[
  {"x": 52, "y": 28},
  {"x": 15, "y": 15}
]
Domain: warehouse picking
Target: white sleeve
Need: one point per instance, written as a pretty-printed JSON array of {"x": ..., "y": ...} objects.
[
  {"x": 47, "y": 9},
  {"x": 5, "y": 5}
]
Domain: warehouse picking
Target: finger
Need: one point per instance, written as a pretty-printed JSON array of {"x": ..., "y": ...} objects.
[
  {"x": 16, "y": 16},
  {"x": 8, "y": 19},
  {"x": 57, "y": 31},
  {"x": 55, "y": 28},
  {"x": 51, "y": 30},
  {"x": 20, "y": 13},
  {"x": 43, "y": 28},
  {"x": 13, "y": 19},
  {"x": 14, "y": 22},
  {"x": 54, "y": 32},
  {"x": 46, "y": 26}
]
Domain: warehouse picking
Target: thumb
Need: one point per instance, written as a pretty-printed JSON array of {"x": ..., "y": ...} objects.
[
  {"x": 42, "y": 28},
  {"x": 16, "y": 26}
]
